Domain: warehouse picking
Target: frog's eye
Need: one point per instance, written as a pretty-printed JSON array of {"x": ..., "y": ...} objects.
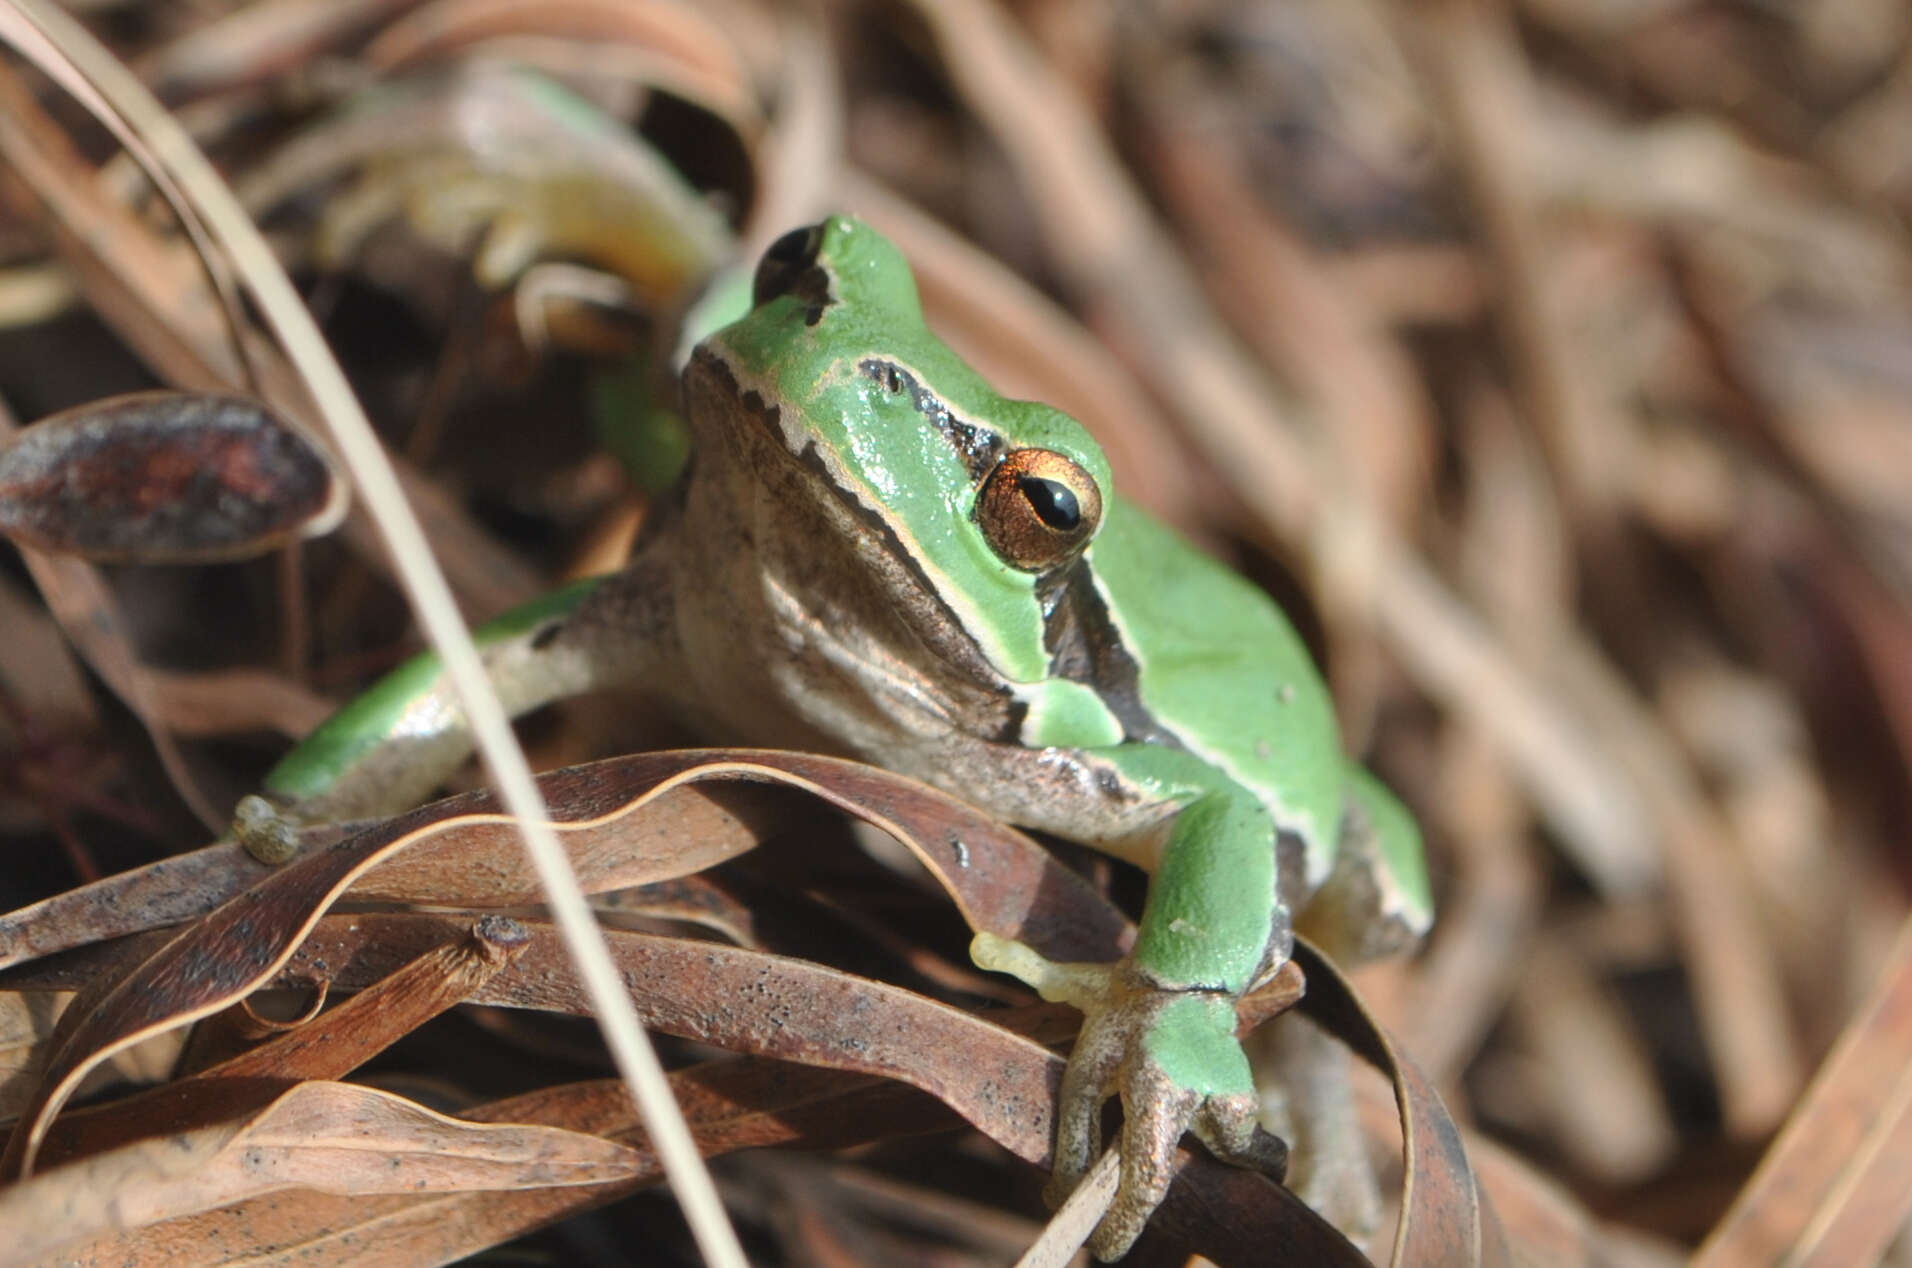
[
  {"x": 790, "y": 266},
  {"x": 1038, "y": 508}
]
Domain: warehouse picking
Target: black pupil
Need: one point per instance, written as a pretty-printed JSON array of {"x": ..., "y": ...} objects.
[{"x": 1053, "y": 502}]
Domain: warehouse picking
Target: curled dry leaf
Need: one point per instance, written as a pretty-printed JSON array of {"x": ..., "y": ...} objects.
[
  {"x": 746, "y": 1001},
  {"x": 333, "y": 1137},
  {"x": 729, "y": 1105},
  {"x": 804, "y": 1013},
  {"x": 1446, "y": 1217},
  {"x": 627, "y": 821},
  {"x": 166, "y": 477},
  {"x": 327, "y": 1047},
  {"x": 1008, "y": 886}
]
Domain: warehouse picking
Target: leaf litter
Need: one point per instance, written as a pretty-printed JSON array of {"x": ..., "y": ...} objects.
[{"x": 1540, "y": 357}]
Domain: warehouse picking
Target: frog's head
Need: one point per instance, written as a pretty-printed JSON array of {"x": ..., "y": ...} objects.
[{"x": 979, "y": 498}]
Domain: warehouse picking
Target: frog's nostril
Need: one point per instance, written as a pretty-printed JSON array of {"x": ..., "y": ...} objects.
[{"x": 786, "y": 264}]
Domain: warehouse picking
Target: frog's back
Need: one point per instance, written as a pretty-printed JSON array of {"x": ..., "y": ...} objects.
[{"x": 1222, "y": 670}]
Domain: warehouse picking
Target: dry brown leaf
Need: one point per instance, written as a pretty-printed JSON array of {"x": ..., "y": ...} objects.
[
  {"x": 681, "y": 830},
  {"x": 165, "y": 477},
  {"x": 728, "y": 997},
  {"x": 334, "y": 1137},
  {"x": 328, "y": 1046},
  {"x": 968, "y": 1061},
  {"x": 1002, "y": 882},
  {"x": 730, "y": 1105}
]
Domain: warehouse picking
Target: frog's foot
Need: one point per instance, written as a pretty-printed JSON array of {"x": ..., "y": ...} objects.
[
  {"x": 1171, "y": 1056},
  {"x": 264, "y": 831}
]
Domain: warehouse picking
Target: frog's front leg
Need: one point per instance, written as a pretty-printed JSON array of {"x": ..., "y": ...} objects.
[
  {"x": 1159, "y": 1026},
  {"x": 386, "y": 750}
]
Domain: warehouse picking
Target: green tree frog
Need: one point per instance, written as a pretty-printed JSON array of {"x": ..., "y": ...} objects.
[{"x": 873, "y": 553}]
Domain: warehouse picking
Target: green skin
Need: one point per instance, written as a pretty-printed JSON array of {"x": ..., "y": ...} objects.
[{"x": 825, "y": 577}]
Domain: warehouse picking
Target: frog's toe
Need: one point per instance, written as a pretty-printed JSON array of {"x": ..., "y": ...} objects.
[
  {"x": 264, "y": 831},
  {"x": 1176, "y": 1063},
  {"x": 1229, "y": 1127},
  {"x": 1173, "y": 1057},
  {"x": 1087, "y": 1081},
  {"x": 1155, "y": 1113}
]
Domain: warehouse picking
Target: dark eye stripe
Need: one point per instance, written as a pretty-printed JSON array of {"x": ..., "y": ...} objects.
[
  {"x": 1085, "y": 646},
  {"x": 977, "y": 446}
]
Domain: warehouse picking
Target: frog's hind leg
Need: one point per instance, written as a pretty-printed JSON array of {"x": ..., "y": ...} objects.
[
  {"x": 1306, "y": 1080},
  {"x": 1373, "y": 904},
  {"x": 1376, "y": 901}
]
